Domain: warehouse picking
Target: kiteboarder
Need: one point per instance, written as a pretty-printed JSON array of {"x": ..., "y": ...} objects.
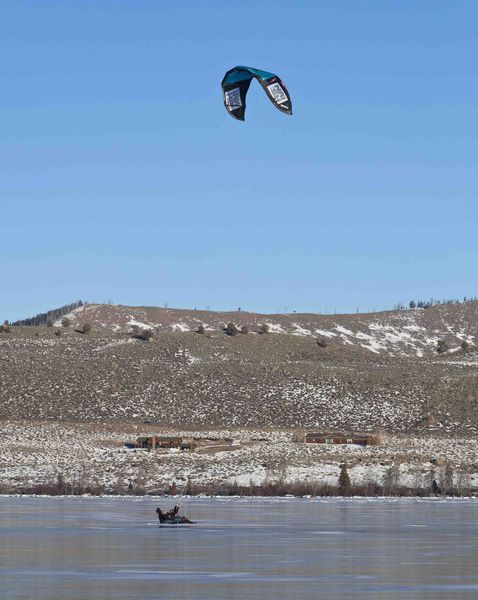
[{"x": 171, "y": 516}]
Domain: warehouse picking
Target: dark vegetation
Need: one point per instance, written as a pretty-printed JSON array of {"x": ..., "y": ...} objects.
[
  {"x": 60, "y": 486},
  {"x": 344, "y": 479},
  {"x": 142, "y": 334},
  {"x": 231, "y": 329},
  {"x": 442, "y": 346},
  {"x": 432, "y": 302},
  {"x": 51, "y": 315}
]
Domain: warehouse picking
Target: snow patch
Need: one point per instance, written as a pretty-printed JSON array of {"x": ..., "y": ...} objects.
[
  {"x": 300, "y": 330},
  {"x": 326, "y": 333},
  {"x": 134, "y": 323},
  {"x": 275, "y": 328},
  {"x": 180, "y": 327}
]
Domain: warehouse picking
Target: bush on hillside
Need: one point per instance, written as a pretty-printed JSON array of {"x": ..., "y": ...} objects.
[
  {"x": 144, "y": 334},
  {"x": 65, "y": 322},
  {"x": 442, "y": 346},
  {"x": 231, "y": 329},
  {"x": 264, "y": 328},
  {"x": 245, "y": 329}
]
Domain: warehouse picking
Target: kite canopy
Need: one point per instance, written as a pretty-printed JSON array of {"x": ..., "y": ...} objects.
[{"x": 236, "y": 82}]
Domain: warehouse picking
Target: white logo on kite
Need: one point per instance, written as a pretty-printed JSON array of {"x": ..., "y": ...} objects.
[
  {"x": 233, "y": 99},
  {"x": 277, "y": 93}
]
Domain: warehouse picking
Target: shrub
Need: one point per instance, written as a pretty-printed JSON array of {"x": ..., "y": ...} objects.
[
  {"x": 144, "y": 334},
  {"x": 344, "y": 479},
  {"x": 57, "y": 332},
  {"x": 442, "y": 346},
  {"x": 264, "y": 328},
  {"x": 465, "y": 346},
  {"x": 49, "y": 323},
  {"x": 65, "y": 322},
  {"x": 322, "y": 342},
  {"x": 5, "y": 328},
  {"x": 201, "y": 329},
  {"x": 245, "y": 329},
  {"x": 86, "y": 328},
  {"x": 231, "y": 329}
]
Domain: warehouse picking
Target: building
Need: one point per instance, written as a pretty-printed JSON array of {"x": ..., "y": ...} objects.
[{"x": 362, "y": 439}]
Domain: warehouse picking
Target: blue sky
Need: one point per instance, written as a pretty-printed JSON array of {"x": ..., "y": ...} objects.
[{"x": 123, "y": 178}]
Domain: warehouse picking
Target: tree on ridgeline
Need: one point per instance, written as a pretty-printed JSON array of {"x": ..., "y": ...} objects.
[{"x": 51, "y": 315}]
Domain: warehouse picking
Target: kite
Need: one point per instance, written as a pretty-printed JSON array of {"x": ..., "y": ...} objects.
[{"x": 236, "y": 82}]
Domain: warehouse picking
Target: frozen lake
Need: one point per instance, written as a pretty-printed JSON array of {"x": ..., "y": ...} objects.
[{"x": 92, "y": 548}]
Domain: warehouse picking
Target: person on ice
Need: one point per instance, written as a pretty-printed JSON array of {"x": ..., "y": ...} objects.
[{"x": 171, "y": 516}]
